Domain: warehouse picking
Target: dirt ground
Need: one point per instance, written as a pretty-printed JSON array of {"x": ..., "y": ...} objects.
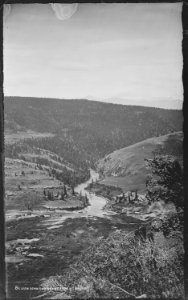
[{"x": 52, "y": 251}]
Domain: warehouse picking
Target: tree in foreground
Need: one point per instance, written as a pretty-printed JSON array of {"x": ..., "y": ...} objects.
[{"x": 166, "y": 181}]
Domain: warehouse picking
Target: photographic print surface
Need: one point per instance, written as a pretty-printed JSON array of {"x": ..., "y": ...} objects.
[{"x": 93, "y": 99}]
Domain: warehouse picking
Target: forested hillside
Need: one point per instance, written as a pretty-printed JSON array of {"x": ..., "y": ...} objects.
[{"x": 88, "y": 130}]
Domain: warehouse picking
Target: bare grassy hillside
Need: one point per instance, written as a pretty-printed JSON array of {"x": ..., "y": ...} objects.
[{"x": 126, "y": 168}]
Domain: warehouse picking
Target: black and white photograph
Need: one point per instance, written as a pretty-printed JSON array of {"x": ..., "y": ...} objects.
[{"x": 93, "y": 142}]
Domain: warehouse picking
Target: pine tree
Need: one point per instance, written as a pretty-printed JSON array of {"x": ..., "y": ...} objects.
[
  {"x": 86, "y": 200},
  {"x": 62, "y": 195},
  {"x": 136, "y": 195},
  {"x": 165, "y": 181},
  {"x": 65, "y": 190},
  {"x": 49, "y": 196},
  {"x": 73, "y": 192},
  {"x": 91, "y": 185}
]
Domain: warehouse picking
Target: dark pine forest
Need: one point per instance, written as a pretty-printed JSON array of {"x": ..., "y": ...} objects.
[{"x": 84, "y": 131}]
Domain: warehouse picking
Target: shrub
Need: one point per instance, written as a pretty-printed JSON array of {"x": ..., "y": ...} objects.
[{"x": 124, "y": 267}]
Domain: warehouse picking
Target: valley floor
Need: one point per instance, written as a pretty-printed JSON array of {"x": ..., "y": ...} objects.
[{"x": 81, "y": 249}]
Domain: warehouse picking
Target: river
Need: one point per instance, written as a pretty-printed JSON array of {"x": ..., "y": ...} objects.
[
  {"x": 96, "y": 202},
  {"x": 95, "y": 209}
]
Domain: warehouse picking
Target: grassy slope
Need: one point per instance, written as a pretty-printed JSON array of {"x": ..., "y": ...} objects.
[
  {"x": 126, "y": 168},
  {"x": 23, "y": 191}
]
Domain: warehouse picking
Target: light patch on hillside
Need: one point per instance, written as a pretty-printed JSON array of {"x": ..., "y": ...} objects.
[{"x": 13, "y": 137}]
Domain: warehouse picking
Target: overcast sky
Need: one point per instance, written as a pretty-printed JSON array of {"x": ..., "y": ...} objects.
[{"x": 122, "y": 53}]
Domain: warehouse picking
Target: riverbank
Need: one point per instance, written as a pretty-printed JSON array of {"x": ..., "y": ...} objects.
[{"x": 138, "y": 209}]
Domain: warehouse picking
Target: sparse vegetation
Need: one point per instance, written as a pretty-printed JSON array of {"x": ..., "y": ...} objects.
[
  {"x": 123, "y": 267},
  {"x": 71, "y": 176},
  {"x": 30, "y": 201}
]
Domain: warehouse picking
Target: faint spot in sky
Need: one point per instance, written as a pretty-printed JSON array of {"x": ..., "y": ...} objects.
[
  {"x": 64, "y": 11},
  {"x": 6, "y": 11}
]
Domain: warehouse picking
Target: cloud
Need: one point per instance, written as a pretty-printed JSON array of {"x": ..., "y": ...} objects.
[
  {"x": 64, "y": 11},
  {"x": 6, "y": 11}
]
